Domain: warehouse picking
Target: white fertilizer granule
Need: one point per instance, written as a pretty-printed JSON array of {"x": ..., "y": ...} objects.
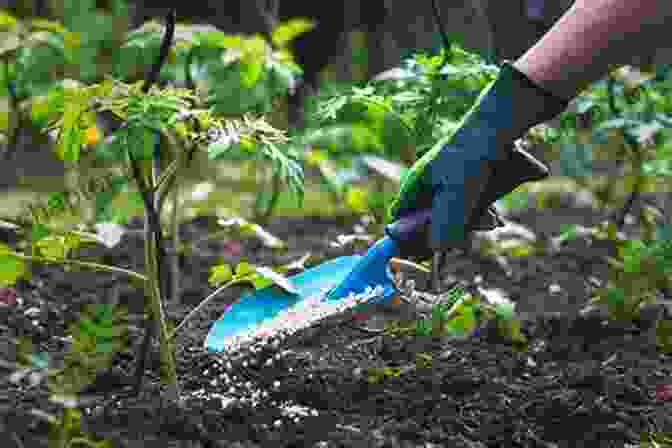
[{"x": 298, "y": 317}]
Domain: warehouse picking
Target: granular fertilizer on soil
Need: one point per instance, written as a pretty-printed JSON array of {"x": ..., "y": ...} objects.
[{"x": 304, "y": 314}]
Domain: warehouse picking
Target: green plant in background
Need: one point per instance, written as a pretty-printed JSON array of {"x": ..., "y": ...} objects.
[
  {"x": 622, "y": 117},
  {"x": 159, "y": 130},
  {"x": 100, "y": 332},
  {"x": 655, "y": 439},
  {"x": 66, "y": 432},
  {"x": 396, "y": 118},
  {"x": 227, "y": 65},
  {"x": 462, "y": 314},
  {"x": 641, "y": 269}
]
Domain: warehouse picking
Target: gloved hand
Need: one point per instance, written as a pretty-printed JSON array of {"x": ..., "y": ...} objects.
[
  {"x": 412, "y": 235},
  {"x": 453, "y": 176}
]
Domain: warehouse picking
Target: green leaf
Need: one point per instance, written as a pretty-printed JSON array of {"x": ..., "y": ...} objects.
[
  {"x": 71, "y": 137},
  {"x": 576, "y": 159},
  {"x": 289, "y": 30},
  {"x": 519, "y": 249},
  {"x": 570, "y": 232},
  {"x": 244, "y": 268},
  {"x": 70, "y": 143},
  {"x": 464, "y": 321},
  {"x": 104, "y": 199},
  {"x": 38, "y": 232},
  {"x": 614, "y": 123},
  {"x": 284, "y": 75},
  {"x": 517, "y": 199},
  {"x": 219, "y": 274},
  {"x": 664, "y": 335},
  {"x": 219, "y": 148},
  {"x": 511, "y": 330},
  {"x": 11, "y": 268},
  {"x": 7, "y": 21},
  {"x": 57, "y": 246},
  {"x": 345, "y": 139},
  {"x": 251, "y": 73}
]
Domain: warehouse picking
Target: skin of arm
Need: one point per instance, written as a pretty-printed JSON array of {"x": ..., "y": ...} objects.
[{"x": 592, "y": 36}]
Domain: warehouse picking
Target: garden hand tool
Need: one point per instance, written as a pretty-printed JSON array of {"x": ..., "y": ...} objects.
[
  {"x": 339, "y": 278},
  {"x": 451, "y": 178}
]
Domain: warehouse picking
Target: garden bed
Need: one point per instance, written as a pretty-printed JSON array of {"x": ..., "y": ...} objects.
[{"x": 581, "y": 382}]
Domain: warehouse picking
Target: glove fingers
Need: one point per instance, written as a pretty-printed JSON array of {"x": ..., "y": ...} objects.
[{"x": 457, "y": 202}]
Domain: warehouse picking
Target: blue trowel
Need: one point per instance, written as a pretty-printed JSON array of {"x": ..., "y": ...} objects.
[{"x": 340, "y": 277}]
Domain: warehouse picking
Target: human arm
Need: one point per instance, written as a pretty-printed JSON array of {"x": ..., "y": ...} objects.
[{"x": 592, "y": 36}]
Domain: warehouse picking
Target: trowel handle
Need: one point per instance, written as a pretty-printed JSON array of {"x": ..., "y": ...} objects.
[{"x": 410, "y": 228}]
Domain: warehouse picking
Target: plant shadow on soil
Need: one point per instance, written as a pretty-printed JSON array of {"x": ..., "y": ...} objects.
[{"x": 581, "y": 382}]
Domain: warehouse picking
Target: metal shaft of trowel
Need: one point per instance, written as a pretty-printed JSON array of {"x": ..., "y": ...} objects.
[{"x": 373, "y": 269}]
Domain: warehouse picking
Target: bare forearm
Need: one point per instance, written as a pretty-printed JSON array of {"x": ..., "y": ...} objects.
[{"x": 591, "y": 36}]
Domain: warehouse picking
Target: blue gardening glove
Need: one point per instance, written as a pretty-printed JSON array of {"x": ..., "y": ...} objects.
[
  {"x": 453, "y": 176},
  {"x": 520, "y": 167}
]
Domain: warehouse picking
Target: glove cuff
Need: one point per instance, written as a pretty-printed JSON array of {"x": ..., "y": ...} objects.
[
  {"x": 525, "y": 81},
  {"x": 507, "y": 109}
]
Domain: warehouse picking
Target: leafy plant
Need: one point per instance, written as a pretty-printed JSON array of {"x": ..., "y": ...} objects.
[
  {"x": 396, "y": 118},
  {"x": 101, "y": 331},
  {"x": 463, "y": 314},
  {"x": 156, "y": 134},
  {"x": 622, "y": 117},
  {"x": 640, "y": 270}
]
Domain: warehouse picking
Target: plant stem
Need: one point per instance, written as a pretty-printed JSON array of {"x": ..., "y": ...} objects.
[
  {"x": 84, "y": 264},
  {"x": 175, "y": 273},
  {"x": 200, "y": 306}
]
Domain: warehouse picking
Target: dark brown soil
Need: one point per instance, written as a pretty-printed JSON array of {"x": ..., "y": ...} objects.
[{"x": 583, "y": 381}]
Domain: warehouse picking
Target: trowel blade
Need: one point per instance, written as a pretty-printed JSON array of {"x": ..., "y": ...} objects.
[{"x": 265, "y": 304}]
